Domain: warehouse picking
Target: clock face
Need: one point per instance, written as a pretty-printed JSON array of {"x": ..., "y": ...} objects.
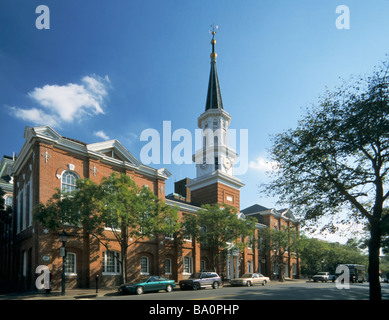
[{"x": 227, "y": 163}]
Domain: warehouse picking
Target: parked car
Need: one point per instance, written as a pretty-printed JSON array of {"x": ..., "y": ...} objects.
[
  {"x": 323, "y": 277},
  {"x": 201, "y": 280},
  {"x": 153, "y": 283},
  {"x": 250, "y": 279}
]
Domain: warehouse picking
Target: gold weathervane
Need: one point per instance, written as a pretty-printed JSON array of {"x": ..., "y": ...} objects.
[{"x": 213, "y": 41}]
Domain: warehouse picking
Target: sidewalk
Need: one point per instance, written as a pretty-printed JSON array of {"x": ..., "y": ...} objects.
[{"x": 70, "y": 294}]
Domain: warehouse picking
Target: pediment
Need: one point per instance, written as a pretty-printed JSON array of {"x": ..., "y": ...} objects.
[
  {"x": 115, "y": 150},
  {"x": 43, "y": 131},
  {"x": 288, "y": 214}
]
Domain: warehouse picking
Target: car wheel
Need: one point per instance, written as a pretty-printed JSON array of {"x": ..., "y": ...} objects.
[
  {"x": 264, "y": 282},
  {"x": 248, "y": 284},
  {"x": 196, "y": 286},
  {"x": 215, "y": 285},
  {"x": 139, "y": 290},
  {"x": 169, "y": 288}
]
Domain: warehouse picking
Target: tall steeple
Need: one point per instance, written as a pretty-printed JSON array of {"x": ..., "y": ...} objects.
[
  {"x": 215, "y": 181},
  {"x": 214, "y": 97}
]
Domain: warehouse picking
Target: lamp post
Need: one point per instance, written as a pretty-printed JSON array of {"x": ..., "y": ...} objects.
[{"x": 63, "y": 237}]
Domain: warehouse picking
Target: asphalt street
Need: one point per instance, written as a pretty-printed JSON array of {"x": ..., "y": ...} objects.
[{"x": 282, "y": 291}]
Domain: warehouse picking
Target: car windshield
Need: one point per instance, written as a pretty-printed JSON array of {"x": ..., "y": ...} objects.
[
  {"x": 322, "y": 273},
  {"x": 247, "y": 275},
  {"x": 195, "y": 276}
]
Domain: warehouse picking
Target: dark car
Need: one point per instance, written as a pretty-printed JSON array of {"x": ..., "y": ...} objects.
[
  {"x": 153, "y": 283},
  {"x": 201, "y": 280}
]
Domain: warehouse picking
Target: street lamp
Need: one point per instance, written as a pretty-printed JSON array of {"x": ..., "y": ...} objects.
[{"x": 63, "y": 237}]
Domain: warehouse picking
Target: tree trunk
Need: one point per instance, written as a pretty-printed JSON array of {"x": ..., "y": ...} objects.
[
  {"x": 124, "y": 265},
  {"x": 374, "y": 262}
]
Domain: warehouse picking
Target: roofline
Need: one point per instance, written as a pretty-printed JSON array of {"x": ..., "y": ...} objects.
[
  {"x": 273, "y": 213},
  {"x": 61, "y": 142}
]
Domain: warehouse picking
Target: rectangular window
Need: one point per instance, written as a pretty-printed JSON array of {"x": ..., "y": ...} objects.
[
  {"x": 216, "y": 163},
  {"x": 70, "y": 264},
  {"x": 202, "y": 265},
  {"x": 111, "y": 265},
  {"x": 249, "y": 266},
  {"x": 188, "y": 265},
  {"x": 168, "y": 266},
  {"x": 249, "y": 242},
  {"x": 144, "y": 265}
]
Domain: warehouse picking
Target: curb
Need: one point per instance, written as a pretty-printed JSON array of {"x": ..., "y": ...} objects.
[{"x": 86, "y": 296}]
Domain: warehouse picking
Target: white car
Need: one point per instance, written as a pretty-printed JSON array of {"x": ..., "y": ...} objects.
[{"x": 250, "y": 279}]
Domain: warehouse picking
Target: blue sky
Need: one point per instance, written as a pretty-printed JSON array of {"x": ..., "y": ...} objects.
[{"x": 115, "y": 68}]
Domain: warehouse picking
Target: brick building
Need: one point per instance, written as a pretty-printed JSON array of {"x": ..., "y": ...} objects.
[
  {"x": 6, "y": 231},
  {"x": 49, "y": 161}
]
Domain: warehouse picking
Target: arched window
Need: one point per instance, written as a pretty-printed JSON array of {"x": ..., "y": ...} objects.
[{"x": 68, "y": 182}]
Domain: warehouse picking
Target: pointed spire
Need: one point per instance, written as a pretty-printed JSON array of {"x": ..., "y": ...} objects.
[{"x": 214, "y": 97}]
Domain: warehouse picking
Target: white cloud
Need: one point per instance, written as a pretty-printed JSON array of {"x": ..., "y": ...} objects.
[
  {"x": 101, "y": 134},
  {"x": 34, "y": 115},
  {"x": 262, "y": 165},
  {"x": 66, "y": 103}
]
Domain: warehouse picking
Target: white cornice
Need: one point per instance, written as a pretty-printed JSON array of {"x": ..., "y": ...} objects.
[
  {"x": 95, "y": 150},
  {"x": 182, "y": 206},
  {"x": 273, "y": 212},
  {"x": 213, "y": 113},
  {"x": 214, "y": 177}
]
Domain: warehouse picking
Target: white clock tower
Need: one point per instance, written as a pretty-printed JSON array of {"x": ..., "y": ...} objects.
[{"x": 214, "y": 180}]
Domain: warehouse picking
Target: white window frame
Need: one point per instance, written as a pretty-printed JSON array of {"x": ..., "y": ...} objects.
[
  {"x": 168, "y": 266},
  {"x": 203, "y": 265},
  {"x": 142, "y": 270},
  {"x": 63, "y": 183},
  {"x": 7, "y": 198},
  {"x": 249, "y": 242},
  {"x": 249, "y": 266},
  {"x": 116, "y": 265},
  {"x": 73, "y": 268},
  {"x": 187, "y": 265}
]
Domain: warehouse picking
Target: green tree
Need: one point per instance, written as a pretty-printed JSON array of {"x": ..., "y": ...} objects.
[
  {"x": 279, "y": 242},
  {"x": 219, "y": 230},
  {"x": 117, "y": 204},
  {"x": 133, "y": 213},
  {"x": 312, "y": 253},
  {"x": 319, "y": 255},
  {"x": 336, "y": 160}
]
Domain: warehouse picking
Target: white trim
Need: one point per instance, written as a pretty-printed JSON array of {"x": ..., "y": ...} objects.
[
  {"x": 116, "y": 264},
  {"x": 190, "y": 265},
  {"x": 170, "y": 266},
  {"x": 74, "y": 273},
  {"x": 215, "y": 177},
  {"x": 182, "y": 206},
  {"x": 50, "y": 136},
  {"x": 147, "y": 265},
  {"x": 30, "y": 201}
]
